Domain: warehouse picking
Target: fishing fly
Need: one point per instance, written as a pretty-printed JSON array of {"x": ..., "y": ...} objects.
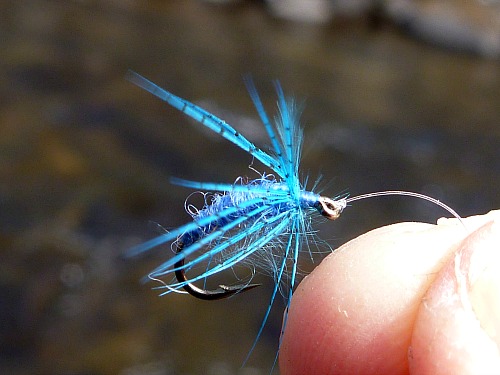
[{"x": 265, "y": 218}]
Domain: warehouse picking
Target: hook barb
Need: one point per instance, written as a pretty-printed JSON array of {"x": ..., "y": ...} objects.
[{"x": 224, "y": 291}]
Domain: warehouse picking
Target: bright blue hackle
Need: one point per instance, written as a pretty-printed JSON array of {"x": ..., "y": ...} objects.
[
  {"x": 209, "y": 120},
  {"x": 267, "y": 215}
]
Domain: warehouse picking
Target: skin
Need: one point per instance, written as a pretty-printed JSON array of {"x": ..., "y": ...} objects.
[{"x": 408, "y": 298}]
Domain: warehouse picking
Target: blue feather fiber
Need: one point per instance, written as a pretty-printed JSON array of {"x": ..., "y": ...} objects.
[{"x": 268, "y": 218}]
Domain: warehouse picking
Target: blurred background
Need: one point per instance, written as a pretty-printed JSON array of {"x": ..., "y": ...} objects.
[{"x": 397, "y": 95}]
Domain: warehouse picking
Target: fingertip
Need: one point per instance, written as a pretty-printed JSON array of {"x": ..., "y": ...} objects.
[
  {"x": 457, "y": 328},
  {"x": 354, "y": 313}
]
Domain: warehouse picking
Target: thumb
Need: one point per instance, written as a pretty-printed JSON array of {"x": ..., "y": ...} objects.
[{"x": 371, "y": 306}]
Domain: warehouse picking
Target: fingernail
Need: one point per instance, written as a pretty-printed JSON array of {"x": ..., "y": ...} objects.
[{"x": 484, "y": 279}]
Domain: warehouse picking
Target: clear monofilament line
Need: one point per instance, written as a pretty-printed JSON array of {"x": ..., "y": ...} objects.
[{"x": 408, "y": 194}]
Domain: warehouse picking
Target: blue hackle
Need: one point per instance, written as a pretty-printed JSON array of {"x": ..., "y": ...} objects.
[
  {"x": 266, "y": 218},
  {"x": 262, "y": 222},
  {"x": 209, "y": 120}
]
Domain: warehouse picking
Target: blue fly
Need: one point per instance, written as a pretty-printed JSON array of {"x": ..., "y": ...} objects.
[{"x": 265, "y": 218}]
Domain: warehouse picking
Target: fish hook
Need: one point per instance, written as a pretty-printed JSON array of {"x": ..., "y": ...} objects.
[{"x": 224, "y": 291}]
